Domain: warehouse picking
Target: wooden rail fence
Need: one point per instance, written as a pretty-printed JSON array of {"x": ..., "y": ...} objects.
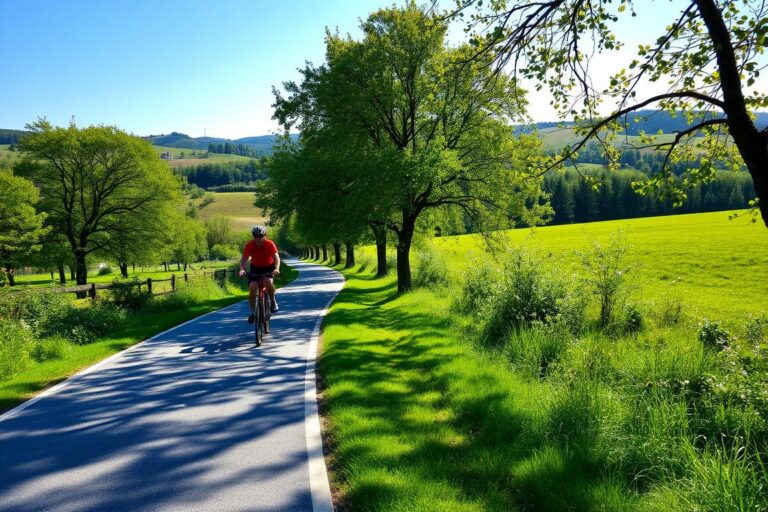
[{"x": 91, "y": 290}]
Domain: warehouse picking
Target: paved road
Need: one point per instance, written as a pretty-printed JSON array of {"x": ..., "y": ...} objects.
[{"x": 194, "y": 419}]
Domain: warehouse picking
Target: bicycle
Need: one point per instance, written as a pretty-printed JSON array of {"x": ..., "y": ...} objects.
[{"x": 262, "y": 312}]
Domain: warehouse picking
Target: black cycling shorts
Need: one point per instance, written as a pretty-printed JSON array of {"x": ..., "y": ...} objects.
[{"x": 260, "y": 270}]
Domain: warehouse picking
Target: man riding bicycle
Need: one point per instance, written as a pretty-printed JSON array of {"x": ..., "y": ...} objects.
[{"x": 264, "y": 259}]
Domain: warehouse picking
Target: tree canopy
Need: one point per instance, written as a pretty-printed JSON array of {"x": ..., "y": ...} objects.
[
  {"x": 710, "y": 56},
  {"x": 98, "y": 185},
  {"x": 442, "y": 121}
]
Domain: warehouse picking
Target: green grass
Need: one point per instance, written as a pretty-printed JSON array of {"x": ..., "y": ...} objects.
[
  {"x": 238, "y": 206},
  {"x": 141, "y": 325},
  {"x": 704, "y": 257},
  {"x": 420, "y": 422},
  {"x": 421, "y": 416}
]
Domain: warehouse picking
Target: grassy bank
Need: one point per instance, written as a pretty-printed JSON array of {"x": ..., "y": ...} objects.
[
  {"x": 429, "y": 407},
  {"x": 138, "y": 327}
]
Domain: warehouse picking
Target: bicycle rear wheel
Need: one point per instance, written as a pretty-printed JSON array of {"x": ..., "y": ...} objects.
[{"x": 258, "y": 327}]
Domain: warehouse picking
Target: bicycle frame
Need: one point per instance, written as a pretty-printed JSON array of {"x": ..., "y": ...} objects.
[{"x": 261, "y": 311}]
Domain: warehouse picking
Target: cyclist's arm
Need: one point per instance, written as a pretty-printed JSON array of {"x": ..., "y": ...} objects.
[
  {"x": 277, "y": 263},
  {"x": 243, "y": 261}
]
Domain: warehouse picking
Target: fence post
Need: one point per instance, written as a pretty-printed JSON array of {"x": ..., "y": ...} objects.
[
  {"x": 173, "y": 282},
  {"x": 92, "y": 291},
  {"x": 186, "y": 277},
  {"x": 149, "y": 285}
]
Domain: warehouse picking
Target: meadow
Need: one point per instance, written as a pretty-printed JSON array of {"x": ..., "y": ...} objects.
[
  {"x": 433, "y": 403},
  {"x": 8, "y": 158},
  {"x": 238, "y": 206}
]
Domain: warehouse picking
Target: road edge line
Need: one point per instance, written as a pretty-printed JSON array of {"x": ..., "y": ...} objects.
[{"x": 319, "y": 484}]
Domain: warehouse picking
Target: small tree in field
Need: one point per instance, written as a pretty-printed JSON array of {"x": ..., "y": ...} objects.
[{"x": 606, "y": 275}]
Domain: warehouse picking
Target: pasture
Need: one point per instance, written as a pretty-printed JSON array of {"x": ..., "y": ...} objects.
[
  {"x": 199, "y": 157},
  {"x": 238, "y": 206}
]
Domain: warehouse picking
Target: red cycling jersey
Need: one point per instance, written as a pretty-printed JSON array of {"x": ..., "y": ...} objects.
[{"x": 263, "y": 256}]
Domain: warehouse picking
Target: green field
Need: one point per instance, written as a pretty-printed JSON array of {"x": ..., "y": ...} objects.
[
  {"x": 557, "y": 138},
  {"x": 238, "y": 206},
  {"x": 200, "y": 157},
  {"x": 713, "y": 261},
  {"x": 425, "y": 413},
  {"x": 8, "y": 158}
]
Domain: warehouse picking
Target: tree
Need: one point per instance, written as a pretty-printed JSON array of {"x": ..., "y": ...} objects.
[
  {"x": 442, "y": 120},
  {"x": 709, "y": 55},
  {"x": 94, "y": 181},
  {"x": 20, "y": 226}
]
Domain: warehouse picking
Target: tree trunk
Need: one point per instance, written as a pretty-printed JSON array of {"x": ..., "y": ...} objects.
[
  {"x": 752, "y": 144},
  {"x": 380, "y": 235},
  {"x": 185, "y": 266},
  {"x": 165, "y": 264},
  {"x": 325, "y": 252},
  {"x": 81, "y": 270},
  {"x": 336, "y": 253},
  {"x": 72, "y": 272},
  {"x": 178, "y": 266},
  {"x": 9, "y": 275},
  {"x": 404, "y": 241},
  {"x": 350, "y": 255},
  {"x": 123, "y": 268},
  {"x": 52, "y": 278},
  {"x": 62, "y": 273}
]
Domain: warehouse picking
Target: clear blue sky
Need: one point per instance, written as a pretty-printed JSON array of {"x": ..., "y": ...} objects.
[{"x": 158, "y": 66}]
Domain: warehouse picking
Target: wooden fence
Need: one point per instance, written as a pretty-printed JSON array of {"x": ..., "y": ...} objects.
[{"x": 91, "y": 290}]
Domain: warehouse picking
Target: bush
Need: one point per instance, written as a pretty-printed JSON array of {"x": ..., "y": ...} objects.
[
  {"x": 196, "y": 291},
  {"x": 755, "y": 331},
  {"x": 15, "y": 346},
  {"x": 127, "y": 294},
  {"x": 527, "y": 294},
  {"x": 83, "y": 325},
  {"x": 481, "y": 282},
  {"x": 49, "y": 349},
  {"x": 105, "y": 270},
  {"x": 431, "y": 269},
  {"x": 224, "y": 252},
  {"x": 712, "y": 336},
  {"x": 34, "y": 308},
  {"x": 606, "y": 275}
]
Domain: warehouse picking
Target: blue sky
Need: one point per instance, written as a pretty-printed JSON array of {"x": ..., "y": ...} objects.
[{"x": 154, "y": 67}]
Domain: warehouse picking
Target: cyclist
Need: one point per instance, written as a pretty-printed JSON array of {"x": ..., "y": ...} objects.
[{"x": 264, "y": 259}]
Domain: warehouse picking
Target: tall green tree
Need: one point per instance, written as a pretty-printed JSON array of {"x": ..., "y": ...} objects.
[
  {"x": 442, "y": 118},
  {"x": 710, "y": 54},
  {"x": 20, "y": 225},
  {"x": 94, "y": 181}
]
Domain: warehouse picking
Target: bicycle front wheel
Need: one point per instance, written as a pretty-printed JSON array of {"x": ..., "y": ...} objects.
[{"x": 258, "y": 323}]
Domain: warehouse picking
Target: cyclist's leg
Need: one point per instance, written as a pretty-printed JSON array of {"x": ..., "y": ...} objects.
[{"x": 253, "y": 288}]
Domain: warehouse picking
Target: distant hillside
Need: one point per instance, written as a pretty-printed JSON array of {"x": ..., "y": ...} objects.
[
  {"x": 261, "y": 145},
  {"x": 648, "y": 121},
  {"x": 11, "y": 136}
]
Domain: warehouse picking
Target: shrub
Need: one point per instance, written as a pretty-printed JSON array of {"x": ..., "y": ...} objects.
[
  {"x": 431, "y": 269},
  {"x": 755, "y": 331},
  {"x": 481, "y": 282},
  {"x": 528, "y": 293},
  {"x": 712, "y": 336},
  {"x": 606, "y": 275},
  {"x": 35, "y": 308},
  {"x": 571, "y": 312},
  {"x": 83, "y": 325},
  {"x": 223, "y": 252},
  {"x": 126, "y": 293},
  {"x": 194, "y": 292},
  {"x": 105, "y": 270},
  {"x": 15, "y": 346},
  {"x": 52, "y": 348}
]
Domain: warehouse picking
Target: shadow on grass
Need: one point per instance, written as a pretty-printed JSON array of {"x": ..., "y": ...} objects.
[{"x": 420, "y": 422}]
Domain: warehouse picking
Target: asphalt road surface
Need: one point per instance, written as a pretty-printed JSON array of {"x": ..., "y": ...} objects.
[{"x": 196, "y": 418}]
